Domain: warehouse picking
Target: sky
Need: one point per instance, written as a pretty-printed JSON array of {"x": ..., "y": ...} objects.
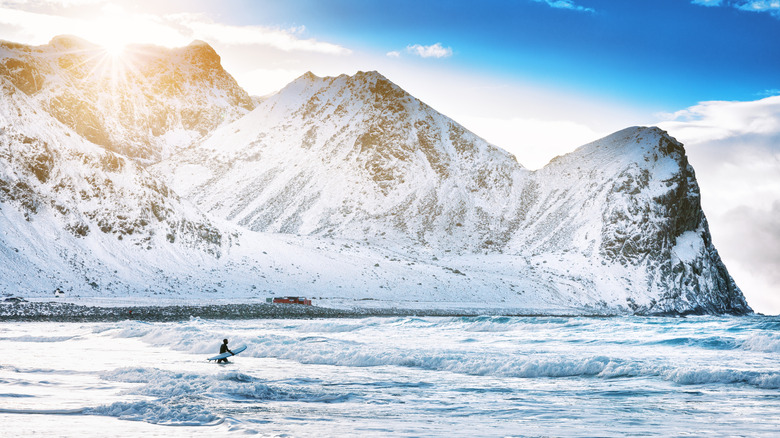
[{"x": 535, "y": 77}]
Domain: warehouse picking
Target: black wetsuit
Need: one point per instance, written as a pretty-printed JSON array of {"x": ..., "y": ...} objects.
[{"x": 224, "y": 349}]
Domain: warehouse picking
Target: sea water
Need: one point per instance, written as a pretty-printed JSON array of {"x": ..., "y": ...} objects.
[{"x": 402, "y": 376}]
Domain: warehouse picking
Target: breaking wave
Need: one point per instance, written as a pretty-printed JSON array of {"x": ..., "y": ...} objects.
[
  {"x": 229, "y": 384},
  {"x": 764, "y": 342},
  {"x": 484, "y": 368},
  {"x": 585, "y": 347},
  {"x": 156, "y": 412},
  {"x": 40, "y": 338}
]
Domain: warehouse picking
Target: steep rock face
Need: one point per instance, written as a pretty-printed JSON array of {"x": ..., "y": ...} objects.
[
  {"x": 616, "y": 223},
  {"x": 353, "y": 156},
  {"x": 144, "y": 103},
  {"x": 630, "y": 203}
]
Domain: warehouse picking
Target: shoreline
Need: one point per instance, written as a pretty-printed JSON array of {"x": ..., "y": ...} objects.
[{"x": 70, "y": 312}]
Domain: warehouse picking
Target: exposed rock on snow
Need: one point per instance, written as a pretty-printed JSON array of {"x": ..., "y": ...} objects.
[
  {"x": 347, "y": 189},
  {"x": 355, "y": 157},
  {"x": 358, "y": 158}
]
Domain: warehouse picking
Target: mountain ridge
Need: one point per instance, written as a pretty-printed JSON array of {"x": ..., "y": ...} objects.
[
  {"x": 376, "y": 195},
  {"x": 621, "y": 202},
  {"x": 145, "y": 104}
]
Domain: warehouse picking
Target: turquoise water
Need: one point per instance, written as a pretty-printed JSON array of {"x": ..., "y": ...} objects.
[{"x": 477, "y": 376}]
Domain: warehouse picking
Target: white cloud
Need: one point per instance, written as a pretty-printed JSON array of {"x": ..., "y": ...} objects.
[
  {"x": 283, "y": 39},
  {"x": 432, "y": 51},
  {"x": 565, "y": 4},
  {"x": 533, "y": 142},
  {"x": 51, "y": 3},
  {"x": 735, "y": 150},
  {"x": 112, "y": 27},
  {"x": 263, "y": 81},
  {"x": 717, "y": 120},
  {"x": 707, "y": 2},
  {"x": 116, "y": 25},
  {"x": 754, "y": 240},
  {"x": 22, "y": 26},
  {"x": 394, "y": 54},
  {"x": 770, "y": 6}
]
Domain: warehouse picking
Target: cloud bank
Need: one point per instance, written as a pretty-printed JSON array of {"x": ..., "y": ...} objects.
[
  {"x": 283, "y": 39},
  {"x": 735, "y": 149},
  {"x": 565, "y": 4},
  {"x": 769, "y": 6},
  {"x": 532, "y": 141},
  {"x": 36, "y": 23}
]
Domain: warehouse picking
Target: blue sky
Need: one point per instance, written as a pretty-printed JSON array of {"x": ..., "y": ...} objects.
[
  {"x": 535, "y": 77},
  {"x": 660, "y": 54},
  {"x": 652, "y": 56}
]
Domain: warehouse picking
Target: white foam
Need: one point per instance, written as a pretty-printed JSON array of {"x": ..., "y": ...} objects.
[
  {"x": 768, "y": 343},
  {"x": 703, "y": 376},
  {"x": 170, "y": 414},
  {"x": 44, "y": 411},
  {"x": 40, "y": 338}
]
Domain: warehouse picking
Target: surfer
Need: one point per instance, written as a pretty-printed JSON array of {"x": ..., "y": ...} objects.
[{"x": 224, "y": 349}]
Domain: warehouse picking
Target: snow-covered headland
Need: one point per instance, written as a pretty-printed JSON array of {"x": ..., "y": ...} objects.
[{"x": 163, "y": 182}]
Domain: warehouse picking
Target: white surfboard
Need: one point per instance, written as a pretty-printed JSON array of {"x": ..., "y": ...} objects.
[{"x": 226, "y": 355}]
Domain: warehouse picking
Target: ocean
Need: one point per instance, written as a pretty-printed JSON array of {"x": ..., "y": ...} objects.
[{"x": 485, "y": 376}]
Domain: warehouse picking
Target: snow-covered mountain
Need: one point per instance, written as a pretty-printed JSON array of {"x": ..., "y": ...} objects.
[
  {"x": 74, "y": 213},
  {"x": 144, "y": 104},
  {"x": 354, "y": 157},
  {"x": 347, "y": 189},
  {"x": 357, "y": 157}
]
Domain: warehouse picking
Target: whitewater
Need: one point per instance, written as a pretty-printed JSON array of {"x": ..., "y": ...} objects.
[{"x": 395, "y": 376}]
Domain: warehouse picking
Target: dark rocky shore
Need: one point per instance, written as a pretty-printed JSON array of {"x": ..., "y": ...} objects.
[{"x": 67, "y": 312}]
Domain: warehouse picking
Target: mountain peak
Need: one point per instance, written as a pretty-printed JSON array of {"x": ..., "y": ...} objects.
[
  {"x": 199, "y": 43},
  {"x": 203, "y": 55},
  {"x": 70, "y": 42},
  {"x": 359, "y": 77},
  {"x": 371, "y": 75},
  {"x": 636, "y": 144},
  {"x": 155, "y": 91}
]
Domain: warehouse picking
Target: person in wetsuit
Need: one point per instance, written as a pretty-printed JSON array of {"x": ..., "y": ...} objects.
[{"x": 224, "y": 349}]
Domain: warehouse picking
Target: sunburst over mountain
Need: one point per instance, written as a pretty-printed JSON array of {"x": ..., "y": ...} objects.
[{"x": 407, "y": 218}]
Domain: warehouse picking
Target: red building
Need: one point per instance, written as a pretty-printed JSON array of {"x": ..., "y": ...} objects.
[{"x": 293, "y": 300}]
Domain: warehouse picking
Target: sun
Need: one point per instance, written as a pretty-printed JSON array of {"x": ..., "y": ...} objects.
[
  {"x": 114, "y": 49},
  {"x": 113, "y": 30}
]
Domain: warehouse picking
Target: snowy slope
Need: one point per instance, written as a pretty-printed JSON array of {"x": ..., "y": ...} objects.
[
  {"x": 145, "y": 104},
  {"x": 355, "y": 157},
  {"x": 76, "y": 216},
  {"x": 629, "y": 206},
  {"x": 75, "y": 213},
  {"x": 345, "y": 189},
  {"x": 616, "y": 223}
]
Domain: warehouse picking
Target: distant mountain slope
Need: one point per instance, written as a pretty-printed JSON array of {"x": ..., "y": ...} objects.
[
  {"x": 355, "y": 157},
  {"x": 143, "y": 104},
  {"x": 618, "y": 220},
  {"x": 346, "y": 188}
]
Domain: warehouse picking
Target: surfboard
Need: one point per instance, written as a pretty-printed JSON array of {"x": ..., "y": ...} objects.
[{"x": 226, "y": 355}]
